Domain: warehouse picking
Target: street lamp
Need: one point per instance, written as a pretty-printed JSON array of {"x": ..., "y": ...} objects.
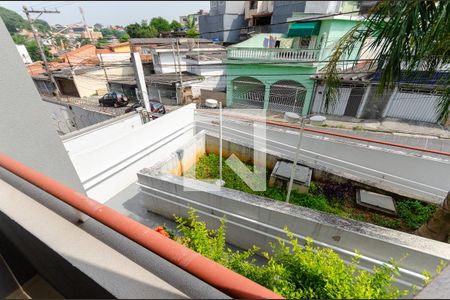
[{"x": 292, "y": 117}]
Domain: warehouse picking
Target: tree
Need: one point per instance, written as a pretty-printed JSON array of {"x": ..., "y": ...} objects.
[
  {"x": 33, "y": 50},
  {"x": 160, "y": 24},
  {"x": 142, "y": 30},
  {"x": 13, "y": 21},
  {"x": 175, "y": 25},
  {"x": 192, "y": 33},
  {"x": 191, "y": 22},
  {"x": 406, "y": 36},
  {"x": 19, "y": 39},
  {"x": 40, "y": 25},
  {"x": 101, "y": 43},
  {"x": 124, "y": 38}
]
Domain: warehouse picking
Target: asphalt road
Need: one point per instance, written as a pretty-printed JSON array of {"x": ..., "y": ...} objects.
[{"x": 416, "y": 175}]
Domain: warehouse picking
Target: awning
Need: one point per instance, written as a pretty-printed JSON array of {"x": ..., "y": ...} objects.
[{"x": 304, "y": 29}]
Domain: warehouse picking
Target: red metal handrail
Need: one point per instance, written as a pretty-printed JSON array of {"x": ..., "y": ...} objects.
[
  {"x": 337, "y": 134},
  {"x": 229, "y": 282}
]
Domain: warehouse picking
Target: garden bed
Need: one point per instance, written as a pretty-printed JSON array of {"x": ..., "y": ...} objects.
[{"x": 332, "y": 198}]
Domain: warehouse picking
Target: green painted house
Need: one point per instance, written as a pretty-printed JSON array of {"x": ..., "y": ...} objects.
[{"x": 273, "y": 71}]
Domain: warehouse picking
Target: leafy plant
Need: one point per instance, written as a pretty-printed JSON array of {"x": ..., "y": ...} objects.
[
  {"x": 293, "y": 270},
  {"x": 414, "y": 213},
  {"x": 328, "y": 197}
]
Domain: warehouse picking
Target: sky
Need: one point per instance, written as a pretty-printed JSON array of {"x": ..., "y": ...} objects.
[{"x": 109, "y": 12}]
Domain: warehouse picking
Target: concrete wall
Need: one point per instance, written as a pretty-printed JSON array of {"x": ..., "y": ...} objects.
[
  {"x": 69, "y": 118},
  {"x": 94, "y": 83},
  {"x": 210, "y": 24},
  {"x": 108, "y": 157},
  {"x": 253, "y": 220},
  {"x": 26, "y": 131},
  {"x": 283, "y": 10}
]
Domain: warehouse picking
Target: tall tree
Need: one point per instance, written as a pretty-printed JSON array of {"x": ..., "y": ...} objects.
[
  {"x": 142, "y": 30},
  {"x": 175, "y": 25},
  {"x": 160, "y": 24},
  {"x": 406, "y": 37}
]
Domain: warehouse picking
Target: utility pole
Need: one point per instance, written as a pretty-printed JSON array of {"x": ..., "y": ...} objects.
[
  {"x": 38, "y": 41},
  {"x": 85, "y": 24},
  {"x": 104, "y": 70}
]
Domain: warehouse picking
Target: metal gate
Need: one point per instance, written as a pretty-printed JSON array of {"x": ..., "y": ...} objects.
[
  {"x": 413, "y": 104},
  {"x": 287, "y": 95},
  {"x": 248, "y": 92}
]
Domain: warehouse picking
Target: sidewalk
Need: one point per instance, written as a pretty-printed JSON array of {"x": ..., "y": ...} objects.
[{"x": 427, "y": 136}]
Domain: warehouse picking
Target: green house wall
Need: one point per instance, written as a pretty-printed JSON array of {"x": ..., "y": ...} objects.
[
  {"x": 268, "y": 75},
  {"x": 331, "y": 29}
]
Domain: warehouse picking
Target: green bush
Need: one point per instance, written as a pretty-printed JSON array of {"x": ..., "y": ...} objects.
[
  {"x": 327, "y": 198},
  {"x": 385, "y": 221},
  {"x": 414, "y": 213},
  {"x": 292, "y": 270}
]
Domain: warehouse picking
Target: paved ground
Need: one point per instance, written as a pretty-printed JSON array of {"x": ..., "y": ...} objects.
[
  {"x": 427, "y": 136},
  {"x": 406, "y": 172}
]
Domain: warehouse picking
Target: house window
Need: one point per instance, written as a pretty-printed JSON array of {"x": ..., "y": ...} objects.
[
  {"x": 253, "y": 4},
  {"x": 304, "y": 42}
]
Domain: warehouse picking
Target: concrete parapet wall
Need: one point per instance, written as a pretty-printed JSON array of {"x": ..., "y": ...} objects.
[{"x": 253, "y": 220}]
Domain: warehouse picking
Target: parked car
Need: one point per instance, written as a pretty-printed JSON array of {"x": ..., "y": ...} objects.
[
  {"x": 115, "y": 99},
  {"x": 155, "y": 107}
]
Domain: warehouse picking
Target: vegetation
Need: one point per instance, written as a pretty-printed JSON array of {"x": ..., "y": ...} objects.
[
  {"x": 160, "y": 24},
  {"x": 142, "y": 30},
  {"x": 13, "y": 21},
  {"x": 175, "y": 25},
  {"x": 109, "y": 33},
  {"x": 192, "y": 27},
  {"x": 331, "y": 198},
  {"x": 406, "y": 37},
  {"x": 292, "y": 270}
]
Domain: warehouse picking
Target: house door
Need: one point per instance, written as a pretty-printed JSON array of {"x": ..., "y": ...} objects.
[{"x": 354, "y": 100}]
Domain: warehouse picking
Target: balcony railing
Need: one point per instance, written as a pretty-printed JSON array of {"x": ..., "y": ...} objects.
[{"x": 273, "y": 54}]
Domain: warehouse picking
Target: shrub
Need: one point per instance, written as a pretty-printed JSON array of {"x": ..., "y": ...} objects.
[
  {"x": 414, "y": 213},
  {"x": 293, "y": 270}
]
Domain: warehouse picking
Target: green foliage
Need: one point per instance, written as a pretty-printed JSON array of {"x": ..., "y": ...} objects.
[
  {"x": 174, "y": 25},
  {"x": 293, "y": 270},
  {"x": 190, "y": 22},
  {"x": 386, "y": 222},
  {"x": 33, "y": 50},
  {"x": 13, "y": 21},
  {"x": 124, "y": 38},
  {"x": 329, "y": 198},
  {"x": 142, "y": 30},
  {"x": 19, "y": 39},
  {"x": 40, "y": 25},
  {"x": 415, "y": 213},
  {"x": 192, "y": 33},
  {"x": 101, "y": 43},
  {"x": 109, "y": 33},
  {"x": 405, "y": 36},
  {"x": 160, "y": 24}
]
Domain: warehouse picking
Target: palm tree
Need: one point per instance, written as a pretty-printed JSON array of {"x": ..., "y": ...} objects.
[
  {"x": 406, "y": 36},
  {"x": 191, "y": 22}
]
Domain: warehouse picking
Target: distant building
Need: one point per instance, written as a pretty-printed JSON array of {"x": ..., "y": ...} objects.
[
  {"x": 144, "y": 45},
  {"x": 196, "y": 16},
  {"x": 98, "y": 26},
  {"x": 224, "y": 21},
  {"x": 94, "y": 34},
  {"x": 23, "y": 52}
]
